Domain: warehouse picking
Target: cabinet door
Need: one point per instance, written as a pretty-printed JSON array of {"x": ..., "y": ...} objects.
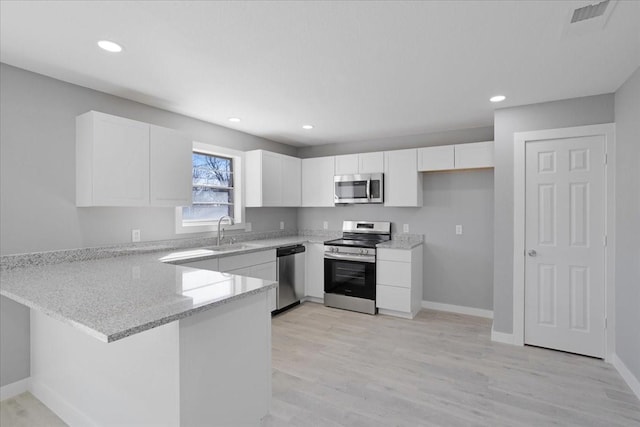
[
  {"x": 371, "y": 162},
  {"x": 120, "y": 161},
  {"x": 436, "y": 158},
  {"x": 291, "y": 181},
  {"x": 346, "y": 164},
  {"x": 474, "y": 155},
  {"x": 317, "y": 181},
  {"x": 170, "y": 167},
  {"x": 271, "y": 179},
  {"x": 402, "y": 182},
  {"x": 266, "y": 271},
  {"x": 314, "y": 271}
]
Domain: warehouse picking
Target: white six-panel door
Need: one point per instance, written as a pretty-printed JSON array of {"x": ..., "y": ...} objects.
[{"x": 564, "y": 241}]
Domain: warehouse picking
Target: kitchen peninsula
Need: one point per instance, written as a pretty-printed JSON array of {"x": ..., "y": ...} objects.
[{"x": 130, "y": 340}]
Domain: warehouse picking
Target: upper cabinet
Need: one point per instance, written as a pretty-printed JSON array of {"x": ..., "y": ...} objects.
[
  {"x": 459, "y": 156},
  {"x": 317, "y": 181},
  {"x": 359, "y": 163},
  {"x": 272, "y": 179},
  {"x": 122, "y": 162},
  {"x": 402, "y": 182}
]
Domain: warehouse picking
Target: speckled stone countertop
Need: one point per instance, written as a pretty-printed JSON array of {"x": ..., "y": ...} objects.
[{"x": 113, "y": 297}]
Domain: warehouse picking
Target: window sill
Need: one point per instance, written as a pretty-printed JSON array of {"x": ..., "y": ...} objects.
[{"x": 206, "y": 227}]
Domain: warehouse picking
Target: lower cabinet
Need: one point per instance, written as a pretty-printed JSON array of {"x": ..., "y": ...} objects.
[
  {"x": 314, "y": 272},
  {"x": 399, "y": 281}
]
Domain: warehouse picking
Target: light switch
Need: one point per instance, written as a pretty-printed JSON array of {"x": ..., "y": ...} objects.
[
  {"x": 135, "y": 235},
  {"x": 325, "y": 225},
  {"x": 458, "y": 229},
  {"x": 281, "y": 225}
]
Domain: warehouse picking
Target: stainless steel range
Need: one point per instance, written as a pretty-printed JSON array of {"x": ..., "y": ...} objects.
[{"x": 350, "y": 266}]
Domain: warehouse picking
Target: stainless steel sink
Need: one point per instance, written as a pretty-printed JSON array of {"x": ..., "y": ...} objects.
[{"x": 233, "y": 247}]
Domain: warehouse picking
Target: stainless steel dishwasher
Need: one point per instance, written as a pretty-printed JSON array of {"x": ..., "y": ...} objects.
[{"x": 290, "y": 276}]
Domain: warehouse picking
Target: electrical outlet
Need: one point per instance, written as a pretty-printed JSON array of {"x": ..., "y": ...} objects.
[
  {"x": 281, "y": 225},
  {"x": 247, "y": 226},
  {"x": 325, "y": 225},
  {"x": 458, "y": 229},
  {"x": 135, "y": 235},
  {"x": 405, "y": 228}
]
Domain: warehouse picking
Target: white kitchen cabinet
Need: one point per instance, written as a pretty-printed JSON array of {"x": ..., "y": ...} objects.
[
  {"x": 266, "y": 271},
  {"x": 474, "y": 155},
  {"x": 402, "y": 182},
  {"x": 317, "y": 181},
  {"x": 170, "y": 167},
  {"x": 459, "y": 156},
  {"x": 314, "y": 272},
  {"x": 399, "y": 281},
  {"x": 346, "y": 164},
  {"x": 123, "y": 162},
  {"x": 436, "y": 158},
  {"x": 272, "y": 179},
  {"x": 112, "y": 161},
  {"x": 359, "y": 163}
]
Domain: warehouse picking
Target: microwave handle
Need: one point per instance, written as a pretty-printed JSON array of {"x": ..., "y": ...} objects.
[{"x": 368, "y": 188}]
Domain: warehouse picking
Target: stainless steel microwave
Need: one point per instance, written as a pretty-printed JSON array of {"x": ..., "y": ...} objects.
[{"x": 364, "y": 188}]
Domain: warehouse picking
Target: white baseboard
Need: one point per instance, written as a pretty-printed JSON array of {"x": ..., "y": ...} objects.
[
  {"x": 394, "y": 313},
  {"x": 312, "y": 299},
  {"x": 52, "y": 400},
  {"x": 10, "y": 390},
  {"x": 460, "y": 309},
  {"x": 501, "y": 337},
  {"x": 626, "y": 374}
]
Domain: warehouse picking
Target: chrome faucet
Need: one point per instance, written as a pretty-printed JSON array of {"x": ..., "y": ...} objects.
[{"x": 221, "y": 232}]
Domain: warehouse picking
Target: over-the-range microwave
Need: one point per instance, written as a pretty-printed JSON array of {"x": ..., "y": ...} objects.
[{"x": 363, "y": 188}]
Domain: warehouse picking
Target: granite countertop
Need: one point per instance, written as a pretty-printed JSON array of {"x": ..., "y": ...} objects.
[
  {"x": 113, "y": 298},
  {"x": 126, "y": 290}
]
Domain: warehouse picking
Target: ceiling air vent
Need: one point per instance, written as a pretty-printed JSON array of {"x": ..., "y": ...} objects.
[
  {"x": 589, "y": 12},
  {"x": 585, "y": 17}
]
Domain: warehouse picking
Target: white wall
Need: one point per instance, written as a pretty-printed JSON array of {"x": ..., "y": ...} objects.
[
  {"x": 38, "y": 212},
  {"x": 627, "y": 109},
  {"x": 558, "y": 114}
]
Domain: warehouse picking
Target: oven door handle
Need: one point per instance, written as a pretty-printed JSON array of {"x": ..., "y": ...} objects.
[{"x": 351, "y": 257}]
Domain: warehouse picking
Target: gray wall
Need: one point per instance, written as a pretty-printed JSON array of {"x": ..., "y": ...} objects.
[
  {"x": 457, "y": 269},
  {"x": 627, "y": 108},
  {"x": 572, "y": 112},
  {"x": 38, "y": 213},
  {"x": 398, "y": 143}
]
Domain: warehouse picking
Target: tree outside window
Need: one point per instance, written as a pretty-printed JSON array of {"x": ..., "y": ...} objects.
[{"x": 213, "y": 189}]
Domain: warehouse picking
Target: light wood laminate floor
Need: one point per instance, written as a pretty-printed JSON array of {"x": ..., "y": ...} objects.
[{"x": 337, "y": 368}]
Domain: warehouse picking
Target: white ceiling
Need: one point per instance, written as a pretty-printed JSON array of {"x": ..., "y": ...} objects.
[{"x": 355, "y": 70}]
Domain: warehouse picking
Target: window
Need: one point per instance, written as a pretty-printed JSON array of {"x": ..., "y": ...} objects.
[
  {"x": 216, "y": 191},
  {"x": 213, "y": 191}
]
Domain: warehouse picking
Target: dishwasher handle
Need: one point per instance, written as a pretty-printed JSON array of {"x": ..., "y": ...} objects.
[{"x": 290, "y": 250}]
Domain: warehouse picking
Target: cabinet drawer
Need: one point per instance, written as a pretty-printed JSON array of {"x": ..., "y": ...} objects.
[
  {"x": 394, "y": 255},
  {"x": 391, "y": 298},
  {"x": 238, "y": 261},
  {"x": 393, "y": 273}
]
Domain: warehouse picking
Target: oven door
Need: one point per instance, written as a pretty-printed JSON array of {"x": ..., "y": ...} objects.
[{"x": 350, "y": 278}]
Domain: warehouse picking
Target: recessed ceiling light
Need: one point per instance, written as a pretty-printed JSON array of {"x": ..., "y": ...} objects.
[
  {"x": 307, "y": 127},
  {"x": 110, "y": 46},
  {"x": 234, "y": 119},
  {"x": 497, "y": 98}
]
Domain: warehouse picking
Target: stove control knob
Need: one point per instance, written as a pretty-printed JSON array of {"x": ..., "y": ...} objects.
[{"x": 363, "y": 251}]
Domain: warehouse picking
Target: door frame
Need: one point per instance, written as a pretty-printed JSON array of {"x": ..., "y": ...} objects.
[{"x": 520, "y": 140}]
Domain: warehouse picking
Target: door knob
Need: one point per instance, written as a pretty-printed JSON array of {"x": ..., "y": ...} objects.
[{"x": 532, "y": 252}]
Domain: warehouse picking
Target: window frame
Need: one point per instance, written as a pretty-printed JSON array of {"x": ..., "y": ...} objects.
[{"x": 237, "y": 157}]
